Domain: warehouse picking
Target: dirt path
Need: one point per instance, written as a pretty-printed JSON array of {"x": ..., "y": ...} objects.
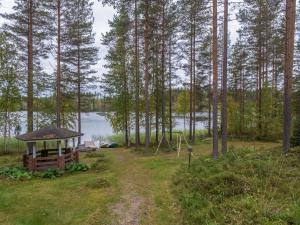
[{"x": 137, "y": 204}]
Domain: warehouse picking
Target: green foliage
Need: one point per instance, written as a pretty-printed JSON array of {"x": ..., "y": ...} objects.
[
  {"x": 75, "y": 167},
  {"x": 51, "y": 173},
  {"x": 271, "y": 117},
  {"x": 183, "y": 102},
  {"x": 246, "y": 187},
  {"x": 245, "y": 123},
  {"x": 118, "y": 80},
  {"x": 17, "y": 173}
]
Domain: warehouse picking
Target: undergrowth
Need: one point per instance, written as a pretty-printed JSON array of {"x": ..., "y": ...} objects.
[{"x": 246, "y": 187}]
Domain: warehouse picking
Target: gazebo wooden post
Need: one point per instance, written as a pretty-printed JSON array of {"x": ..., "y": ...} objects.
[
  {"x": 59, "y": 148},
  {"x": 73, "y": 139},
  {"x": 76, "y": 153},
  {"x": 61, "y": 158},
  {"x": 66, "y": 143},
  {"x": 33, "y": 162}
]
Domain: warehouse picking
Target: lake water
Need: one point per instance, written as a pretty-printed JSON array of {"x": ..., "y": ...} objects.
[{"x": 95, "y": 125}]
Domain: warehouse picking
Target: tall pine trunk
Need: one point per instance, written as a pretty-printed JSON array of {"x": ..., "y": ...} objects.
[
  {"x": 224, "y": 80},
  {"x": 146, "y": 62},
  {"x": 137, "y": 78},
  {"x": 191, "y": 85},
  {"x": 170, "y": 91},
  {"x": 288, "y": 76},
  {"x": 163, "y": 95},
  {"x": 78, "y": 94},
  {"x": 58, "y": 76},
  {"x": 209, "y": 91},
  {"x": 30, "y": 68},
  {"x": 194, "y": 80},
  {"x": 215, "y": 79}
]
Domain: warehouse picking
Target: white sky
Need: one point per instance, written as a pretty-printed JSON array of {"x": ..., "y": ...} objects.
[{"x": 102, "y": 14}]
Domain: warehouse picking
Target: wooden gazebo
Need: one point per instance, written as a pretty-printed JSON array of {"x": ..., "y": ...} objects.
[{"x": 55, "y": 157}]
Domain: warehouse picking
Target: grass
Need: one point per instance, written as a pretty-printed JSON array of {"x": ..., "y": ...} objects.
[
  {"x": 69, "y": 199},
  {"x": 117, "y": 177},
  {"x": 246, "y": 187}
]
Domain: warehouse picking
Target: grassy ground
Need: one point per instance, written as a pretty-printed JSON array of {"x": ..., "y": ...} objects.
[
  {"x": 140, "y": 190},
  {"x": 246, "y": 187}
]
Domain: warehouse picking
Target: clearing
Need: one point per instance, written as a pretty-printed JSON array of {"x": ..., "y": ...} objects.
[{"x": 140, "y": 190}]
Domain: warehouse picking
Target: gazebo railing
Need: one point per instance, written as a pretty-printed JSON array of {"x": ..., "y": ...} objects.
[
  {"x": 51, "y": 152},
  {"x": 51, "y": 161}
]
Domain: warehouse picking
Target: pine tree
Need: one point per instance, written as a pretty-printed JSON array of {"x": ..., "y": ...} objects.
[
  {"x": 80, "y": 53},
  {"x": 288, "y": 76},
  {"x": 28, "y": 28},
  {"x": 116, "y": 81},
  {"x": 146, "y": 72},
  {"x": 10, "y": 93},
  {"x": 215, "y": 79},
  {"x": 224, "y": 80}
]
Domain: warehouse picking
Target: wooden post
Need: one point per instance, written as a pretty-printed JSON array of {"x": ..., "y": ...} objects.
[
  {"x": 66, "y": 145},
  {"x": 34, "y": 150},
  {"x": 61, "y": 162},
  {"x": 77, "y": 156},
  {"x": 59, "y": 148},
  {"x": 33, "y": 163},
  {"x": 73, "y": 144}
]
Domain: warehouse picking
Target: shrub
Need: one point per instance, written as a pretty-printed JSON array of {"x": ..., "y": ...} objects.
[
  {"x": 75, "y": 167},
  {"x": 18, "y": 173}
]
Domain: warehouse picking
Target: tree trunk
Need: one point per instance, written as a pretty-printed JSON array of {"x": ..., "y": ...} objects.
[
  {"x": 163, "y": 96},
  {"x": 126, "y": 105},
  {"x": 157, "y": 101},
  {"x": 137, "y": 78},
  {"x": 209, "y": 93},
  {"x": 224, "y": 81},
  {"x": 288, "y": 76},
  {"x": 170, "y": 92},
  {"x": 194, "y": 81},
  {"x": 58, "y": 77},
  {"x": 191, "y": 86},
  {"x": 78, "y": 94},
  {"x": 146, "y": 62},
  {"x": 30, "y": 68},
  {"x": 215, "y": 79}
]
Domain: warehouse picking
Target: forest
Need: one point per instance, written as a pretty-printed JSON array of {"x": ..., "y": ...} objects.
[{"x": 230, "y": 70}]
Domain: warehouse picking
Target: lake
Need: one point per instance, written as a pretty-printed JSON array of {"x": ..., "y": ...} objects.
[{"x": 95, "y": 125}]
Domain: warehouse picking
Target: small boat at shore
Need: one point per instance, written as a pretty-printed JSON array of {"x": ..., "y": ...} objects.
[{"x": 109, "y": 145}]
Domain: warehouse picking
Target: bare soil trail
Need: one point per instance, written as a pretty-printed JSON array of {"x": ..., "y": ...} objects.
[{"x": 145, "y": 197}]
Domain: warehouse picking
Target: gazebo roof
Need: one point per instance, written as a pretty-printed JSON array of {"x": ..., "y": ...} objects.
[{"x": 48, "y": 133}]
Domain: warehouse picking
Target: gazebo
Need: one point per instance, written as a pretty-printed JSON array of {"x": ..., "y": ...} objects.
[{"x": 53, "y": 157}]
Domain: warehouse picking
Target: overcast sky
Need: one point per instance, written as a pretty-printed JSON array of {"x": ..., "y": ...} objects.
[{"x": 102, "y": 14}]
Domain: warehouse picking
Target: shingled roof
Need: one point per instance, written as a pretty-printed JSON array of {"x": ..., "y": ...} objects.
[{"x": 49, "y": 133}]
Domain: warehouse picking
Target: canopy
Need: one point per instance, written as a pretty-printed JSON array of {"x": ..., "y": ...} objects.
[{"x": 48, "y": 133}]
